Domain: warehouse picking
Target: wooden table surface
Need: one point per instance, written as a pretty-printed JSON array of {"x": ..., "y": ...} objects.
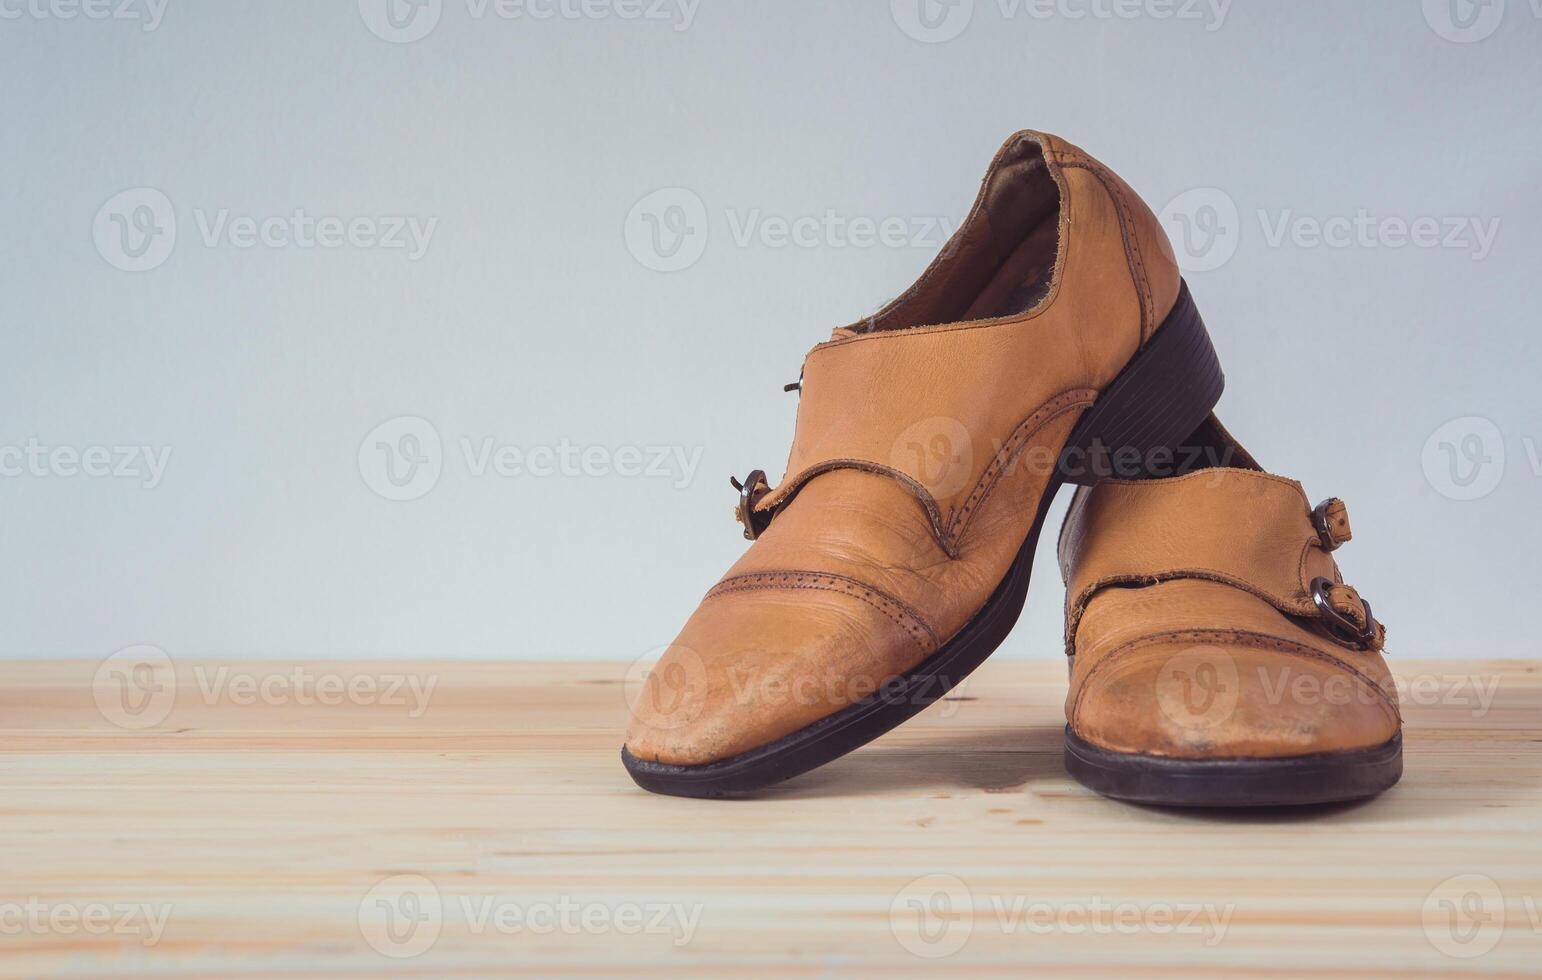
[{"x": 470, "y": 819}]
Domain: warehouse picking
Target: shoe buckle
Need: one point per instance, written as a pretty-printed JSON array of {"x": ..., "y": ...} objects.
[
  {"x": 1338, "y": 623},
  {"x": 751, "y": 490},
  {"x": 1331, "y": 521}
]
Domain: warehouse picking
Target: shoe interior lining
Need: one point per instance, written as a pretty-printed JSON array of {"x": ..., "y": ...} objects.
[{"x": 999, "y": 264}]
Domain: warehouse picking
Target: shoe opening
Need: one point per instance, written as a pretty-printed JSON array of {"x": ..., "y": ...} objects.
[{"x": 1001, "y": 262}]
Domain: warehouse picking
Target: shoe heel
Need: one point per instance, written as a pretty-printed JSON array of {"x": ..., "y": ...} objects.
[{"x": 1134, "y": 429}]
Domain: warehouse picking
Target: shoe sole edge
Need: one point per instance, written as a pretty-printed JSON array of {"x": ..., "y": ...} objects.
[{"x": 1325, "y": 777}]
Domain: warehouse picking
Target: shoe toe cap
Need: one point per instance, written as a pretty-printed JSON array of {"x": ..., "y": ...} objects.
[
  {"x": 751, "y": 668},
  {"x": 1221, "y": 700}
]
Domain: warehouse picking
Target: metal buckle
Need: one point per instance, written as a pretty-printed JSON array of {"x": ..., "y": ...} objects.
[
  {"x": 1320, "y": 522},
  {"x": 1341, "y": 626},
  {"x": 752, "y": 489}
]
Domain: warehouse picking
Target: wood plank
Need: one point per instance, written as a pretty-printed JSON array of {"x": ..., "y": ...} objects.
[{"x": 258, "y": 827}]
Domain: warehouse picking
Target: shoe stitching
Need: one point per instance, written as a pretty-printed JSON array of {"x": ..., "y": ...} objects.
[
  {"x": 1027, "y": 429},
  {"x": 896, "y": 610},
  {"x": 1127, "y": 233}
]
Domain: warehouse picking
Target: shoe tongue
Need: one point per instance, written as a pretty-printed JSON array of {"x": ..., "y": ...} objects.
[{"x": 1217, "y": 447}]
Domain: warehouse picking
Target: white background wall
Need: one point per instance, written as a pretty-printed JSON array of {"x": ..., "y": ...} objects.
[{"x": 535, "y": 315}]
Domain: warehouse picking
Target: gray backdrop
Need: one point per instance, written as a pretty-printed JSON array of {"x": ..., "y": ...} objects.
[{"x": 382, "y": 328}]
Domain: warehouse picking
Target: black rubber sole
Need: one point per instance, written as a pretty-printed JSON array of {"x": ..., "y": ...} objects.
[
  {"x": 1329, "y": 777},
  {"x": 1133, "y": 429}
]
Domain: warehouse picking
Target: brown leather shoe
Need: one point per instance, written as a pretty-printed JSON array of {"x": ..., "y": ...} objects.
[
  {"x": 1051, "y": 341},
  {"x": 1217, "y": 657}
]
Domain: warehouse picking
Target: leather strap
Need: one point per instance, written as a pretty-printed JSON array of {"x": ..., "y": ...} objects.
[
  {"x": 938, "y": 460},
  {"x": 1244, "y": 528}
]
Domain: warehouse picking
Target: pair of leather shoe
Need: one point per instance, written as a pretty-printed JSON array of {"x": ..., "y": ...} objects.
[{"x": 1217, "y": 657}]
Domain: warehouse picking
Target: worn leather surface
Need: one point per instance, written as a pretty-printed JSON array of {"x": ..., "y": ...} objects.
[
  {"x": 926, "y": 436},
  {"x": 1193, "y": 627}
]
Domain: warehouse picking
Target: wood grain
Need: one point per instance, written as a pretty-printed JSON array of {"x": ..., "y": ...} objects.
[{"x": 260, "y": 815}]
